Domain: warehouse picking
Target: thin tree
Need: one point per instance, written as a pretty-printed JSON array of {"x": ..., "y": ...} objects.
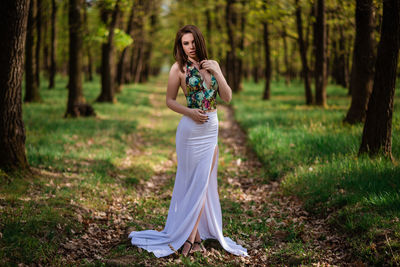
[
  {"x": 31, "y": 77},
  {"x": 76, "y": 105},
  {"x": 377, "y": 133},
  {"x": 88, "y": 46},
  {"x": 231, "y": 58},
  {"x": 123, "y": 67},
  {"x": 285, "y": 55},
  {"x": 363, "y": 62},
  {"x": 53, "y": 46},
  {"x": 320, "y": 55},
  {"x": 107, "y": 56},
  {"x": 207, "y": 14},
  {"x": 303, "y": 53},
  {"x": 14, "y": 16},
  {"x": 268, "y": 66},
  {"x": 39, "y": 11}
]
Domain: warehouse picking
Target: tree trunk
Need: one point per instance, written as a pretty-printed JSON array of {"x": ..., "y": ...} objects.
[
  {"x": 38, "y": 38},
  {"x": 320, "y": 55},
  {"x": 107, "y": 59},
  {"x": 363, "y": 62},
  {"x": 89, "y": 69},
  {"x": 285, "y": 56},
  {"x": 149, "y": 43},
  {"x": 123, "y": 61},
  {"x": 255, "y": 61},
  {"x": 268, "y": 69},
  {"x": 46, "y": 65},
  {"x": 303, "y": 53},
  {"x": 139, "y": 47},
  {"x": 75, "y": 95},
  {"x": 231, "y": 58},
  {"x": 13, "y": 28},
  {"x": 53, "y": 47},
  {"x": 207, "y": 14},
  {"x": 31, "y": 81},
  {"x": 377, "y": 133},
  {"x": 339, "y": 66}
]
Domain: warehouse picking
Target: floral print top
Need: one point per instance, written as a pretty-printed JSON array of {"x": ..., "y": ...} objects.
[{"x": 198, "y": 95}]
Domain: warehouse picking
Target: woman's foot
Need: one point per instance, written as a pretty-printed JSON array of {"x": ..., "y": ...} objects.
[
  {"x": 186, "y": 248},
  {"x": 197, "y": 245}
]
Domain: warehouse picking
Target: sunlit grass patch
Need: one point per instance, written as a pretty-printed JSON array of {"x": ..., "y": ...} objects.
[{"x": 315, "y": 155}]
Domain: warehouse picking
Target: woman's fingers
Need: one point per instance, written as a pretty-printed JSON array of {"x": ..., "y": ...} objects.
[{"x": 202, "y": 117}]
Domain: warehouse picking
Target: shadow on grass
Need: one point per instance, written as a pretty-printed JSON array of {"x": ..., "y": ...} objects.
[{"x": 33, "y": 227}]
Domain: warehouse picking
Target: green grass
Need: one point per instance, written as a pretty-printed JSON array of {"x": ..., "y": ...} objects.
[
  {"x": 82, "y": 160},
  {"x": 315, "y": 155},
  {"x": 86, "y": 164}
]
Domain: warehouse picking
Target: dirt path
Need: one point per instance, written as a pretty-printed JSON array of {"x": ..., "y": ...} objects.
[{"x": 273, "y": 227}]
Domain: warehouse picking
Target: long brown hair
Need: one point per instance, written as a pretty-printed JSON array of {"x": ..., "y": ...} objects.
[{"x": 201, "y": 51}]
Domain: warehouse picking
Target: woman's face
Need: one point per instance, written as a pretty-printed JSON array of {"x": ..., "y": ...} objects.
[{"x": 188, "y": 45}]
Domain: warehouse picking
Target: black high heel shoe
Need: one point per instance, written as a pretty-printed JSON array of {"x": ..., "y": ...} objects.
[{"x": 181, "y": 249}]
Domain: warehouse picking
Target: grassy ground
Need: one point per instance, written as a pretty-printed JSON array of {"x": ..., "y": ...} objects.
[
  {"x": 96, "y": 177},
  {"x": 81, "y": 163},
  {"x": 315, "y": 154}
]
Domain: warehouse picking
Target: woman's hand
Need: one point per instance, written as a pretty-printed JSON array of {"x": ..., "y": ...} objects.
[
  {"x": 198, "y": 115},
  {"x": 210, "y": 65}
]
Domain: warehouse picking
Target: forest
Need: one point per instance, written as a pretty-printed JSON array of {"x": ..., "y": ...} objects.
[{"x": 308, "y": 170}]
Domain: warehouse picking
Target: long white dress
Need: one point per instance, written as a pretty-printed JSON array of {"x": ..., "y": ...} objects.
[{"x": 195, "y": 183}]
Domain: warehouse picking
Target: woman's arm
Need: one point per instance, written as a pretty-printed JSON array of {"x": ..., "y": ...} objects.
[
  {"x": 172, "y": 91},
  {"x": 225, "y": 92}
]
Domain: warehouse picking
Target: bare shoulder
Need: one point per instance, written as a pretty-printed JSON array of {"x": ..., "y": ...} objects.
[{"x": 175, "y": 68}]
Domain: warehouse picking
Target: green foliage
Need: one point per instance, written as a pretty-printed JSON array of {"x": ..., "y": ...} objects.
[{"x": 121, "y": 39}]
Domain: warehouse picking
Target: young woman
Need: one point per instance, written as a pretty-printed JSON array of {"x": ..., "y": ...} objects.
[{"x": 195, "y": 211}]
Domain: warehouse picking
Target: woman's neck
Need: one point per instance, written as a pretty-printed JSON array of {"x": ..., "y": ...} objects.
[{"x": 194, "y": 60}]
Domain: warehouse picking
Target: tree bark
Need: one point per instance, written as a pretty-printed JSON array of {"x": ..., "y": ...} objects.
[
  {"x": 255, "y": 60},
  {"x": 53, "y": 46},
  {"x": 339, "y": 66},
  {"x": 268, "y": 69},
  {"x": 363, "y": 62},
  {"x": 31, "y": 81},
  {"x": 45, "y": 60},
  {"x": 107, "y": 58},
  {"x": 303, "y": 53},
  {"x": 218, "y": 25},
  {"x": 13, "y": 26},
  {"x": 88, "y": 49},
  {"x": 75, "y": 95},
  {"x": 38, "y": 39},
  {"x": 207, "y": 14},
  {"x": 231, "y": 58},
  {"x": 123, "y": 67},
  {"x": 320, "y": 55},
  {"x": 285, "y": 56},
  {"x": 150, "y": 8},
  {"x": 377, "y": 133}
]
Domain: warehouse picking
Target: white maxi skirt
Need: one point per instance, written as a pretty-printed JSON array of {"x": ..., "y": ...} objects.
[{"x": 195, "y": 184}]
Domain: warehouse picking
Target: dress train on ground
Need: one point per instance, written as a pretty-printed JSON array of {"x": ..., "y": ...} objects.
[{"x": 195, "y": 185}]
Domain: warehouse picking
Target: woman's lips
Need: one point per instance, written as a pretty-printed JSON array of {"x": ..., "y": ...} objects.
[{"x": 192, "y": 52}]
